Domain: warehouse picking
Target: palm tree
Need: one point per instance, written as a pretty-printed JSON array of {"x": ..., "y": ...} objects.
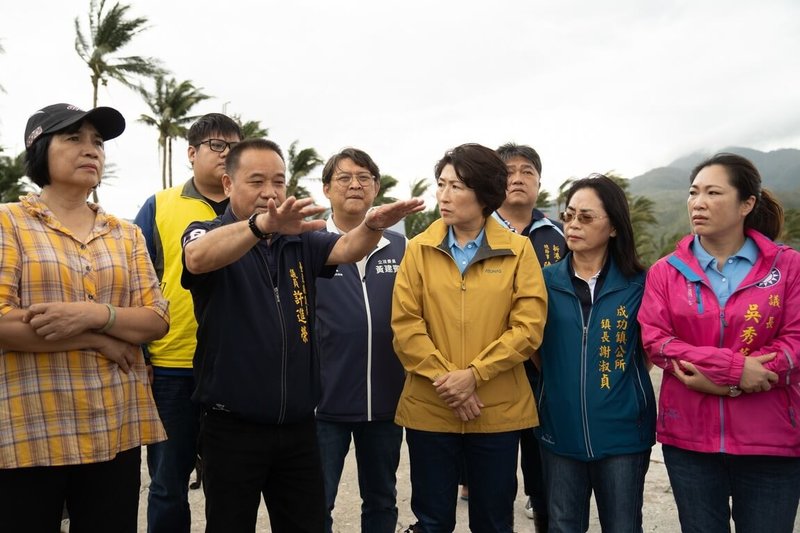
[
  {"x": 170, "y": 103},
  {"x": 300, "y": 164},
  {"x": 12, "y": 169},
  {"x": 561, "y": 199},
  {"x": 642, "y": 217},
  {"x": 543, "y": 200},
  {"x": 666, "y": 243},
  {"x": 251, "y": 129},
  {"x": 642, "y": 211},
  {"x": 387, "y": 183},
  {"x": 108, "y": 33},
  {"x": 416, "y": 223}
]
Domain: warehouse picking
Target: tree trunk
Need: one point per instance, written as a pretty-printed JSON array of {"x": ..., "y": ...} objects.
[
  {"x": 169, "y": 159},
  {"x": 95, "y": 198},
  {"x": 162, "y": 145}
]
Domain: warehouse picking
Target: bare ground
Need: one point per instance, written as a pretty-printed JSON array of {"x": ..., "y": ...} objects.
[{"x": 660, "y": 514}]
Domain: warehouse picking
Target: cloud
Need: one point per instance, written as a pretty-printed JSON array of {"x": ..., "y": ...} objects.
[{"x": 624, "y": 85}]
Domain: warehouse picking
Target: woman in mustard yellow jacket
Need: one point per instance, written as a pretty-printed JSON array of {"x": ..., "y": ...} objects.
[{"x": 468, "y": 309}]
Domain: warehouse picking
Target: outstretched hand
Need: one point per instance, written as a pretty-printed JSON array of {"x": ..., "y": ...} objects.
[
  {"x": 387, "y": 215},
  {"x": 289, "y": 218}
]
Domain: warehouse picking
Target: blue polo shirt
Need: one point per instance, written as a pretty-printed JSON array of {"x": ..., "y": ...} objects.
[
  {"x": 733, "y": 271},
  {"x": 463, "y": 256}
]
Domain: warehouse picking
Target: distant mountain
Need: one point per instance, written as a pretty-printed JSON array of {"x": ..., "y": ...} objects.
[{"x": 668, "y": 186}]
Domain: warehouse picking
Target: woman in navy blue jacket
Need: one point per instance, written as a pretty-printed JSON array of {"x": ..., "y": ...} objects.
[{"x": 596, "y": 402}]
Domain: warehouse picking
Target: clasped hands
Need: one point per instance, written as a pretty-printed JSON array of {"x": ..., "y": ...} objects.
[
  {"x": 58, "y": 321},
  {"x": 755, "y": 377},
  {"x": 457, "y": 390}
]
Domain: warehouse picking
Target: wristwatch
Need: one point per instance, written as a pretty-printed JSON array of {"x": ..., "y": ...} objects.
[
  {"x": 251, "y": 222},
  {"x": 734, "y": 391}
]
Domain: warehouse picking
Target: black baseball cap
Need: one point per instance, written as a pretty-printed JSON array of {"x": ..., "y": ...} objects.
[{"x": 109, "y": 122}]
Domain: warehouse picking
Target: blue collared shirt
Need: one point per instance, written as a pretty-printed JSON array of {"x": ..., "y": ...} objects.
[
  {"x": 733, "y": 271},
  {"x": 463, "y": 255}
]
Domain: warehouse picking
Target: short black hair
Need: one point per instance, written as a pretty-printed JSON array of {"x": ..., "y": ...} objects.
[
  {"x": 211, "y": 124},
  {"x": 510, "y": 149},
  {"x": 482, "y": 170},
  {"x": 232, "y": 161},
  {"x": 359, "y": 157},
  {"x": 37, "y": 161}
]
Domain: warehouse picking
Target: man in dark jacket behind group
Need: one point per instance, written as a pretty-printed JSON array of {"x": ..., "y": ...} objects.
[{"x": 519, "y": 214}]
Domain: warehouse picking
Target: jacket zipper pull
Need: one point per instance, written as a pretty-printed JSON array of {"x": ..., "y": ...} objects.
[
  {"x": 463, "y": 284},
  {"x": 585, "y": 335},
  {"x": 277, "y": 294}
]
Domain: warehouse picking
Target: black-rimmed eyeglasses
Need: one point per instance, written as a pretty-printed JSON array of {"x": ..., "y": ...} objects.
[{"x": 218, "y": 145}]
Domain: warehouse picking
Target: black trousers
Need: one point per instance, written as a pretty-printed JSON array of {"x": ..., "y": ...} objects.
[
  {"x": 100, "y": 497},
  {"x": 244, "y": 461}
]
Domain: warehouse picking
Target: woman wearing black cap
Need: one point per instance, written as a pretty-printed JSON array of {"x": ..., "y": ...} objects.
[{"x": 78, "y": 295}]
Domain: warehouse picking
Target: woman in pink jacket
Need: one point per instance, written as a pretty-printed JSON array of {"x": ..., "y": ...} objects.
[{"x": 721, "y": 316}]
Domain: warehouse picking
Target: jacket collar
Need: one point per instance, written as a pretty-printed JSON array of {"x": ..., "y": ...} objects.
[
  {"x": 33, "y": 204},
  {"x": 686, "y": 263},
  {"x": 562, "y": 277},
  {"x": 361, "y": 264},
  {"x": 496, "y": 239},
  {"x": 190, "y": 191},
  {"x": 331, "y": 226},
  {"x": 496, "y": 236}
]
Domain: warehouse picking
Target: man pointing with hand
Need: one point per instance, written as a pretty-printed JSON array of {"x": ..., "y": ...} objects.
[{"x": 252, "y": 273}]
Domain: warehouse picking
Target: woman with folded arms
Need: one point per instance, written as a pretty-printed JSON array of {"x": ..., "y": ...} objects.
[
  {"x": 721, "y": 316},
  {"x": 78, "y": 295}
]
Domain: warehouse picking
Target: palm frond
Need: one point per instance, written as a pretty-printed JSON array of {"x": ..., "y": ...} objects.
[
  {"x": 420, "y": 187},
  {"x": 170, "y": 103},
  {"x": 387, "y": 184}
]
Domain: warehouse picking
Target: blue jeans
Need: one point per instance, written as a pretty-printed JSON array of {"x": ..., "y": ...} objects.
[
  {"x": 171, "y": 462},
  {"x": 436, "y": 462},
  {"x": 765, "y": 491},
  {"x": 377, "y": 455},
  {"x": 617, "y": 483}
]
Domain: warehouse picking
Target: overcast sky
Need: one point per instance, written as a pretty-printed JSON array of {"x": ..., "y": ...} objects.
[{"x": 592, "y": 85}]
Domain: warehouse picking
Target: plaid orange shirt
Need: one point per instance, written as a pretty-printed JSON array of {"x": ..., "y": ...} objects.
[{"x": 65, "y": 408}]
